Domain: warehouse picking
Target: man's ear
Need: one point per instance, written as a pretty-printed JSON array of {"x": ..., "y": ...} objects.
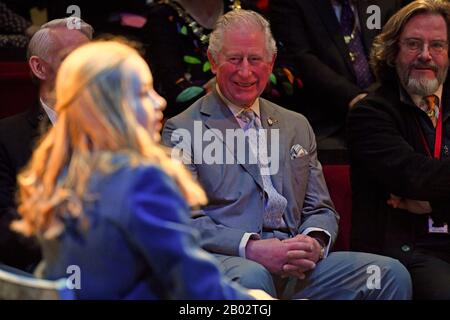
[
  {"x": 38, "y": 67},
  {"x": 272, "y": 61},
  {"x": 213, "y": 63}
]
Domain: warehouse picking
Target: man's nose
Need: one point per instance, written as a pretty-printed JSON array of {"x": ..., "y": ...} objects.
[
  {"x": 244, "y": 68},
  {"x": 425, "y": 54}
]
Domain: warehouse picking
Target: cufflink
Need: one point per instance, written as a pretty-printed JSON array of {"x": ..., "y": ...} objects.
[{"x": 322, "y": 253}]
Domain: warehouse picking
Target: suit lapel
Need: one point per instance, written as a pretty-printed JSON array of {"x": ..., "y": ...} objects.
[
  {"x": 220, "y": 117},
  {"x": 271, "y": 120}
]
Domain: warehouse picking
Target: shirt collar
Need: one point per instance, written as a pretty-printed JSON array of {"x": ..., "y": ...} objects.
[
  {"x": 236, "y": 110},
  {"x": 416, "y": 100},
  {"x": 419, "y": 99},
  {"x": 49, "y": 111}
]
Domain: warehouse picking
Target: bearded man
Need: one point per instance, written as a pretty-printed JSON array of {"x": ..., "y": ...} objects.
[{"x": 398, "y": 139}]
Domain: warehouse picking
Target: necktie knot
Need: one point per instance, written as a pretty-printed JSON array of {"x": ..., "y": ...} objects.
[
  {"x": 430, "y": 100},
  {"x": 247, "y": 115},
  {"x": 249, "y": 118},
  {"x": 431, "y": 103}
]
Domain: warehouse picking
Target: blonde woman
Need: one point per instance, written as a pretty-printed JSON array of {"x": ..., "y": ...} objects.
[{"x": 101, "y": 194}]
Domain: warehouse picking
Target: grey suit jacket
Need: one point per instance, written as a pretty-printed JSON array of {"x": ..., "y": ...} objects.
[{"x": 235, "y": 190}]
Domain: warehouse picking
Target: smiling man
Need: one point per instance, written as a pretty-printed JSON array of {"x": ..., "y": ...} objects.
[
  {"x": 269, "y": 230},
  {"x": 399, "y": 138}
]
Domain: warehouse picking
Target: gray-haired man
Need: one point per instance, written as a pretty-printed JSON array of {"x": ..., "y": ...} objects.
[{"x": 269, "y": 231}]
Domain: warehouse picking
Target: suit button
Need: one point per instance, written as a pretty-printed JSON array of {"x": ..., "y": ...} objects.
[{"x": 406, "y": 248}]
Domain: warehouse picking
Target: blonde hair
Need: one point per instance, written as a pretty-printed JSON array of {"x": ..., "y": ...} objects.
[
  {"x": 386, "y": 45},
  {"x": 97, "y": 118}
]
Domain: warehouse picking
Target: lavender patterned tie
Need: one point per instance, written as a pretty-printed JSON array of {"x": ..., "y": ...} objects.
[
  {"x": 353, "y": 39},
  {"x": 275, "y": 203}
]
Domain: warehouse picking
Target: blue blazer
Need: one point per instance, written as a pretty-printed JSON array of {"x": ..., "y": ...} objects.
[{"x": 138, "y": 244}]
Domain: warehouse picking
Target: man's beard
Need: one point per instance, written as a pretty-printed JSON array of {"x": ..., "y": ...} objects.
[{"x": 421, "y": 86}]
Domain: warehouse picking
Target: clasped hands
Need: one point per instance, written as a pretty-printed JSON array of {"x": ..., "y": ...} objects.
[{"x": 288, "y": 258}]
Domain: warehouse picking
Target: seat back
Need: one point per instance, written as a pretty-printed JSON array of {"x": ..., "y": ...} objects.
[
  {"x": 337, "y": 178},
  {"x": 18, "y": 285}
]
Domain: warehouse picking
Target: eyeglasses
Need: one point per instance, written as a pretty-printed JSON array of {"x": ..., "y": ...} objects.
[{"x": 435, "y": 47}]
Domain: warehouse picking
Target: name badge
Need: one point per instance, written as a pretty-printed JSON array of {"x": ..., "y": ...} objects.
[{"x": 432, "y": 229}]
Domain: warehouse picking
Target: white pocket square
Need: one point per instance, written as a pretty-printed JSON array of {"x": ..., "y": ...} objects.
[{"x": 297, "y": 151}]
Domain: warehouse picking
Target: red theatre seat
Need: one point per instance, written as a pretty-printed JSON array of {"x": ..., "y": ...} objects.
[
  {"x": 338, "y": 182},
  {"x": 17, "y": 92}
]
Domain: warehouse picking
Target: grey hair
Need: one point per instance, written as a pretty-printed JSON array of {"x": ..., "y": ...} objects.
[
  {"x": 240, "y": 18},
  {"x": 42, "y": 41}
]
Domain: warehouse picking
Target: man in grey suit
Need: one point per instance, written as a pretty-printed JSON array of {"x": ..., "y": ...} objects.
[{"x": 270, "y": 221}]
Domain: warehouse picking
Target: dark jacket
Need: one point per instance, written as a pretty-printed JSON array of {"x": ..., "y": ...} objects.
[
  {"x": 387, "y": 156},
  {"x": 310, "y": 41},
  {"x": 18, "y": 135}
]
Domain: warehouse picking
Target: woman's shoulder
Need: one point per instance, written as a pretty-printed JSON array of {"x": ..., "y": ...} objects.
[
  {"x": 129, "y": 166},
  {"x": 117, "y": 172},
  {"x": 130, "y": 183}
]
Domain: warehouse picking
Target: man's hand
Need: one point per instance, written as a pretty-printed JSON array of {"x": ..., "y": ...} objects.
[
  {"x": 304, "y": 257},
  {"x": 413, "y": 206},
  {"x": 273, "y": 255},
  {"x": 356, "y": 99},
  {"x": 268, "y": 252}
]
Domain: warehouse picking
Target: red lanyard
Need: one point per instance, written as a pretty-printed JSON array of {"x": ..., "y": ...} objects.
[{"x": 438, "y": 137}]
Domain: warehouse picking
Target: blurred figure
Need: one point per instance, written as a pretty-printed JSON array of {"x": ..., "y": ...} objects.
[
  {"x": 18, "y": 134},
  {"x": 327, "y": 42},
  {"x": 399, "y": 139},
  {"x": 102, "y": 195},
  {"x": 178, "y": 34},
  {"x": 15, "y": 30}
]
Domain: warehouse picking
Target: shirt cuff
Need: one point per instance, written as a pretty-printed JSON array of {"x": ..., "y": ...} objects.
[
  {"x": 327, "y": 247},
  {"x": 244, "y": 241}
]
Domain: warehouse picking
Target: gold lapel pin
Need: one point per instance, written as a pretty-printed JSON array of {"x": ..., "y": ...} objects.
[{"x": 271, "y": 121}]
